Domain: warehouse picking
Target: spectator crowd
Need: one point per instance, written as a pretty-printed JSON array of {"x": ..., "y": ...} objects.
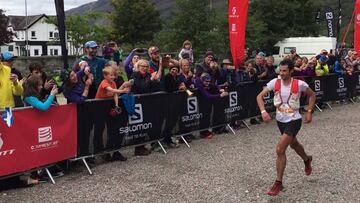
[{"x": 147, "y": 71}]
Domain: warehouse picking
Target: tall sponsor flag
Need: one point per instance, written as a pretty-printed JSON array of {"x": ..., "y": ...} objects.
[
  {"x": 237, "y": 14},
  {"x": 357, "y": 26},
  {"x": 329, "y": 16}
]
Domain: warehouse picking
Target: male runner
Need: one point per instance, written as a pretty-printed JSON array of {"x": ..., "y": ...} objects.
[{"x": 287, "y": 102}]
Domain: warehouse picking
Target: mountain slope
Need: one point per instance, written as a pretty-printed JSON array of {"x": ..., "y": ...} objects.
[{"x": 165, "y": 6}]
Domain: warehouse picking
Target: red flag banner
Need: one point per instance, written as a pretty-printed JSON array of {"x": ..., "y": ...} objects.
[
  {"x": 38, "y": 138},
  {"x": 237, "y": 14},
  {"x": 357, "y": 26}
]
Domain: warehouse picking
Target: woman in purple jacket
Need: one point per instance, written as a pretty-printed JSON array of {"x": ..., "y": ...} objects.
[
  {"x": 210, "y": 91},
  {"x": 76, "y": 88}
]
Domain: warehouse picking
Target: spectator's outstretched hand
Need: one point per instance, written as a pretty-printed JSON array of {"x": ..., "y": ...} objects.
[
  {"x": 14, "y": 78},
  {"x": 49, "y": 84},
  {"x": 126, "y": 90},
  {"x": 88, "y": 82},
  {"x": 54, "y": 90},
  {"x": 224, "y": 94}
]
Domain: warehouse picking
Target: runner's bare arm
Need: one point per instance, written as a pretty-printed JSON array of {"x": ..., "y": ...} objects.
[
  {"x": 310, "y": 110},
  {"x": 312, "y": 98},
  {"x": 260, "y": 100}
]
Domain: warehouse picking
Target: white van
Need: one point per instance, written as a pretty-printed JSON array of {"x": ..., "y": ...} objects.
[{"x": 304, "y": 46}]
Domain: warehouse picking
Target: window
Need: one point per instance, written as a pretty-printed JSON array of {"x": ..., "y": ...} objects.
[
  {"x": 56, "y": 34},
  {"x": 11, "y": 48},
  {"x": 56, "y": 52},
  {"x": 36, "y": 52},
  {"x": 51, "y": 35},
  {"x": 51, "y": 52},
  {"x": 276, "y": 50},
  {"x": 33, "y": 34},
  {"x": 288, "y": 49}
]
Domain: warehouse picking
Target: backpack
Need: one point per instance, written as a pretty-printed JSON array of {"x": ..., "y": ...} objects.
[{"x": 293, "y": 99}]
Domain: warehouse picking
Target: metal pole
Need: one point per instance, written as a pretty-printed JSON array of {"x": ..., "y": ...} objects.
[
  {"x": 26, "y": 30},
  {"x": 339, "y": 23}
]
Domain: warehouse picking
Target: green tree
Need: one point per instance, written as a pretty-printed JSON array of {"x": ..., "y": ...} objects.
[
  {"x": 194, "y": 20},
  {"x": 281, "y": 19},
  {"x": 81, "y": 28},
  {"x": 135, "y": 21},
  {"x": 5, "y": 34}
]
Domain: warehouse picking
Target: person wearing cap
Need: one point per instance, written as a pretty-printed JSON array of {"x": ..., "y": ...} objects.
[
  {"x": 205, "y": 65},
  {"x": 9, "y": 82},
  {"x": 113, "y": 52},
  {"x": 208, "y": 66},
  {"x": 228, "y": 74},
  {"x": 17, "y": 99},
  {"x": 155, "y": 59},
  {"x": 172, "y": 84},
  {"x": 322, "y": 68},
  {"x": 157, "y": 63},
  {"x": 96, "y": 66},
  {"x": 172, "y": 80},
  {"x": 211, "y": 92}
]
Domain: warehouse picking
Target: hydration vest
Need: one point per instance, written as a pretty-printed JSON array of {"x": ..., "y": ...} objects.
[{"x": 293, "y": 99}]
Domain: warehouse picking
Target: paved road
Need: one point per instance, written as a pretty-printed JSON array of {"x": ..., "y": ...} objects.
[{"x": 228, "y": 168}]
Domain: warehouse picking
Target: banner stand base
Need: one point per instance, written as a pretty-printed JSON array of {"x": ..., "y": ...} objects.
[
  {"x": 247, "y": 126},
  {"x": 87, "y": 166},
  {"x": 162, "y": 147},
  {"x": 231, "y": 129},
  {"x": 327, "y": 103},
  {"x": 318, "y": 108},
  {"x": 50, "y": 176},
  {"x": 183, "y": 139}
]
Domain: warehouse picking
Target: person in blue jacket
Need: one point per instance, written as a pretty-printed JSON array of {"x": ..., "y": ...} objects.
[{"x": 32, "y": 89}]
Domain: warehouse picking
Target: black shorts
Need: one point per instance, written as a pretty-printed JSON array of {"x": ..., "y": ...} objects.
[{"x": 291, "y": 128}]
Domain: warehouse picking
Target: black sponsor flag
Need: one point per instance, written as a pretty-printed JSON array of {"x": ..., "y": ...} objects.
[{"x": 329, "y": 17}]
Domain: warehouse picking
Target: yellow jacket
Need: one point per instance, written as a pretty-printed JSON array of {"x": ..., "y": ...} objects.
[{"x": 7, "y": 88}]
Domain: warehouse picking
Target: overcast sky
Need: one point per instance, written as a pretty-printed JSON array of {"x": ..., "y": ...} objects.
[{"x": 34, "y": 7}]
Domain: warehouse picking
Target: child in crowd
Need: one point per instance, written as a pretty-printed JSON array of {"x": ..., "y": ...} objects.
[
  {"x": 187, "y": 52},
  {"x": 107, "y": 89},
  {"x": 32, "y": 93},
  {"x": 37, "y": 69}
]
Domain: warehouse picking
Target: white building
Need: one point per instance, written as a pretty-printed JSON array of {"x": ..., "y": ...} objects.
[{"x": 42, "y": 37}]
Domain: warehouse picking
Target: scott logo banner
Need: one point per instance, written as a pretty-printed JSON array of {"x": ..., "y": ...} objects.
[{"x": 38, "y": 139}]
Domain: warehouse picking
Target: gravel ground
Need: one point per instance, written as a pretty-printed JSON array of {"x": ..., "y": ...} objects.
[{"x": 228, "y": 168}]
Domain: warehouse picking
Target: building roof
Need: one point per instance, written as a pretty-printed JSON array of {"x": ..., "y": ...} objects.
[{"x": 19, "y": 22}]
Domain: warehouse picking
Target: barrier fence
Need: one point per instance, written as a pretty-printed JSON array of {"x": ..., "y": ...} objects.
[{"x": 38, "y": 139}]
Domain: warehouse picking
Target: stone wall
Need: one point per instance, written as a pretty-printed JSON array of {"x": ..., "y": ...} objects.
[{"x": 51, "y": 64}]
